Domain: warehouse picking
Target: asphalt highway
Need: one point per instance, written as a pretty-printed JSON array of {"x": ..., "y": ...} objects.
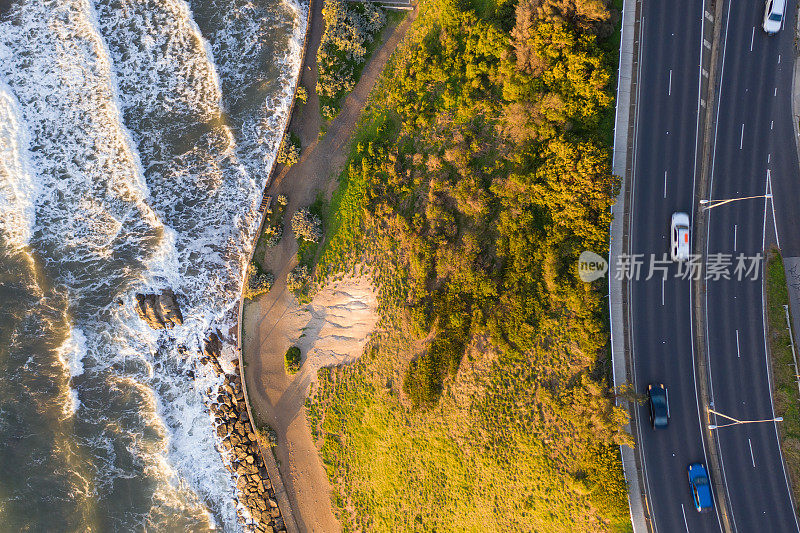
[
  {"x": 754, "y": 134},
  {"x": 665, "y": 159},
  {"x": 754, "y": 154}
]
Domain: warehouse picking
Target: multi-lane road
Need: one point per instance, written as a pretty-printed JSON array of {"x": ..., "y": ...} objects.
[{"x": 751, "y": 134}]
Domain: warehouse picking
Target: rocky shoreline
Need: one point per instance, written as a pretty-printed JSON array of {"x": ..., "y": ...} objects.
[
  {"x": 237, "y": 440},
  {"x": 239, "y": 448}
]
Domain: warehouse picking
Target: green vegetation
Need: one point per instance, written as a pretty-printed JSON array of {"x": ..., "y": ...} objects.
[
  {"x": 291, "y": 360},
  {"x": 301, "y": 96},
  {"x": 480, "y": 172},
  {"x": 289, "y": 152},
  {"x": 258, "y": 281},
  {"x": 350, "y": 30},
  {"x": 272, "y": 229},
  {"x": 783, "y": 366}
]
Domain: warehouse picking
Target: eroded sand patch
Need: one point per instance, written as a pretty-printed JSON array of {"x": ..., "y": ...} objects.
[{"x": 334, "y": 328}]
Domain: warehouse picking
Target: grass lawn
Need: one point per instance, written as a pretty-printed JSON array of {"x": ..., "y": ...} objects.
[{"x": 473, "y": 463}]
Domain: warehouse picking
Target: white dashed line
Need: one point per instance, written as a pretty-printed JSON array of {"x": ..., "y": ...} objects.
[
  {"x": 662, "y": 291},
  {"x": 738, "y": 354},
  {"x": 752, "y": 458},
  {"x": 734, "y": 237},
  {"x": 669, "y": 91},
  {"x": 741, "y": 139},
  {"x": 665, "y": 184},
  {"x": 752, "y": 36}
]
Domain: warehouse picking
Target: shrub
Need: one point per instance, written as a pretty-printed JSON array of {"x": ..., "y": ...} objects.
[
  {"x": 423, "y": 382},
  {"x": 288, "y": 153},
  {"x": 348, "y": 29},
  {"x": 258, "y": 281},
  {"x": 301, "y": 95},
  {"x": 291, "y": 361},
  {"x": 306, "y": 225},
  {"x": 281, "y": 200},
  {"x": 273, "y": 235},
  {"x": 268, "y": 435},
  {"x": 297, "y": 279}
]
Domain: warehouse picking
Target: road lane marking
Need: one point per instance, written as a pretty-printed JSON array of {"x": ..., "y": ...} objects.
[
  {"x": 772, "y": 204},
  {"x": 669, "y": 92},
  {"x": 771, "y": 123},
  {"x": 738, "y": 353},
  {"x": 662, "y": 291},
  {"x": 685, "y": 523},
  {"x": 779, "y": 59},
  {"x": 734, "y": 237},
  {"x": 741, "y": 139},
  {"x": 769, "y": 156},
  {"x": 665, "y": 184},
  {"x": 775, "y": 93},
  {"x": 752, "y": 36},
  {"x": 752, "y": 458}
]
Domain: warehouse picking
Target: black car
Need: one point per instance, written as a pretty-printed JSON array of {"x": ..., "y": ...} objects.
[{"x": 659, "y": 405}]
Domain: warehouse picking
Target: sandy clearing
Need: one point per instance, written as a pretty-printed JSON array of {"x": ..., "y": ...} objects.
[{"x": 333, "y": 329}]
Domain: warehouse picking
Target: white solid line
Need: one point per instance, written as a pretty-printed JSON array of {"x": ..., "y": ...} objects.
[
  {"x": 738, "y": 353},
  {"x": 752, "y": 36},
  {"x": 752, "y": 458},
  {"x": 772, "y": 204},
  {"x": 685, "y": 523},
  {"x": 764, "y": 227},
  {"x": 741, "y": 139},
  {"x": 665, "y": 184},
  {"x": 670, "y": 83},
  {"x": 734, "y": 237}
]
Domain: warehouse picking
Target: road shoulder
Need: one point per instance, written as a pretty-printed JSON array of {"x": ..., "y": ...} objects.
[{"x": 624, "y": 128}]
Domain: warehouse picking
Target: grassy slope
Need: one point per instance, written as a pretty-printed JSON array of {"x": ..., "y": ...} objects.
[
  {"x": 784, "y": 380},
  {"x": 493, "y": 454}
]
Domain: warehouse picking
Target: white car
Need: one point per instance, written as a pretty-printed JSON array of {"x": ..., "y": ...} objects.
[
  {"x": 679, "y": 231},
  {"x": 773, "y": 16}
]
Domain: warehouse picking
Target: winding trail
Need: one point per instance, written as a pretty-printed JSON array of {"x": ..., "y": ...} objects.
[{"x": 269, "y": 322}]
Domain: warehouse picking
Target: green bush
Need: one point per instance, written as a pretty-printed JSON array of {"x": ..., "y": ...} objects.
[
  {"x": 291, "y": 361},
  {"x": 306, "y": 225},
  {"x": 289, "y": 152},
  {"x": 258, "y": 281},
  {"x": 349, "y": 28},
  {"x": 302, "y": 95}
]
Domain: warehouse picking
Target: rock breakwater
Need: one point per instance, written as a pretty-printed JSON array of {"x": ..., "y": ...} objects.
[{"x": 238, "y": 445}]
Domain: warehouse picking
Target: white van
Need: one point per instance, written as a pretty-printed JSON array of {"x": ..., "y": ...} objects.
[{"x": 773, "y": 16}]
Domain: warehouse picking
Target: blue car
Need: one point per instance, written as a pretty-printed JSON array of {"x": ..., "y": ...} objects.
[{"x": 700, "y": 485}]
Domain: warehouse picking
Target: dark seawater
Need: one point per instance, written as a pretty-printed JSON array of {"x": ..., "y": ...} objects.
[{"x": 135, "y": 141}]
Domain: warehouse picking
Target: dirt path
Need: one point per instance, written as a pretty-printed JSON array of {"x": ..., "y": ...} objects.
[{"x": 270, "y": 322}]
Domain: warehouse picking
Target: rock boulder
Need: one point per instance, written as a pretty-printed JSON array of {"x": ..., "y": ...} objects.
[{"x": 159, "y": 311}]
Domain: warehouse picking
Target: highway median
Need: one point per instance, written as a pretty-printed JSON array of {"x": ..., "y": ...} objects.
[{"x": 786, "y": 389}]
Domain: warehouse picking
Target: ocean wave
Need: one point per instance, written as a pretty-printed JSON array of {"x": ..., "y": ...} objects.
[
  {"x": 18, "y": 188},
  {"x": 150, "y": 159}
]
